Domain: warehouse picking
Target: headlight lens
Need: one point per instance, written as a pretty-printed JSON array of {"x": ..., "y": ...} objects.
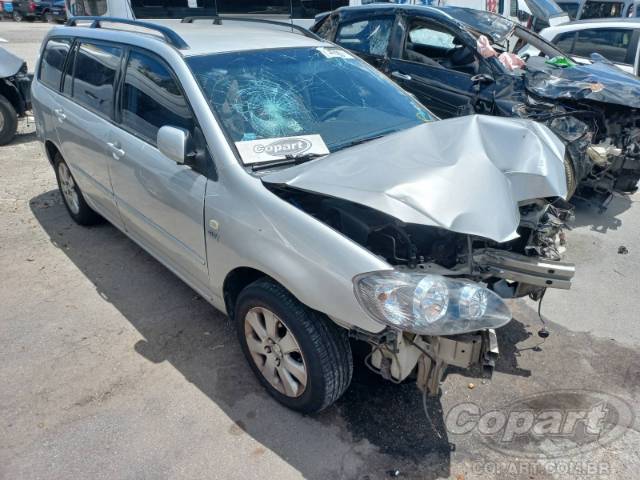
[{"x": 429, "y": 304}]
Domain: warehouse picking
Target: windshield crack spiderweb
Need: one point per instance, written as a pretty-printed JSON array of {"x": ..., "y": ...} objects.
[{"x": 259, "y": 102}]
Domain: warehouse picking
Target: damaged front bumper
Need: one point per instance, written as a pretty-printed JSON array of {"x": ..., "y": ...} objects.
[
  {"x": 396, "y": 354},
  {"x": 428, "y": 357}
]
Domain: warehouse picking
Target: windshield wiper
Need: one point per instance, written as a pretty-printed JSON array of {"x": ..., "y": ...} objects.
[
  {"x": 287, "y": 160},
  {"x": 361, "y": 140}
]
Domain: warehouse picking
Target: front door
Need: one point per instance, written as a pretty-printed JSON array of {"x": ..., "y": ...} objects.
[
  {"x": 438, "y": 69},
  {"x": 161, "y": 201}
]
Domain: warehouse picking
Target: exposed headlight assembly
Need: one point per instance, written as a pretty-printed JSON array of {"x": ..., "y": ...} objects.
[{"x": 429, "y": 304}]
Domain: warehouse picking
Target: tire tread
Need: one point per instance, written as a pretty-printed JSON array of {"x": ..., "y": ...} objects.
[{"x": 329, "y": 340}]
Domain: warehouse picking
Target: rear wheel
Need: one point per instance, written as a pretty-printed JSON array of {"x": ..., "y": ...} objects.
[
  {"x": 17, "y": 16},
  {"x": 72, "y": 197},
  {"x": 301, "y": 357},
  {"x": 8, "y": 121}
]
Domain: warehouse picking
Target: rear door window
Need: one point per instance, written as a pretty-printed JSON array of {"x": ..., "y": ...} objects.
[
  {"x": 611, "y": 43},
  {"x": 370, "y": 36},
  {"x": 95, "y": 72},
  {"x": 52, "y": 64},
  {"x": 151, "y": 98}
]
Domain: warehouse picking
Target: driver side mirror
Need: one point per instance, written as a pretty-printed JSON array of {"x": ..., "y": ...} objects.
[
  {"x": 482, "y": 78},
  {"x": 174, "y": 143}
]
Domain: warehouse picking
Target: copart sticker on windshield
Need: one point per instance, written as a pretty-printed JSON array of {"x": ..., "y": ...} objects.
[
  {"x": 334, "y": 52},
  {"x": 269, "y": 149}
]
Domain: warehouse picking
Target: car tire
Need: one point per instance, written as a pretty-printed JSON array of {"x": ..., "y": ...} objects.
[
  {"x": 72, "y": 196},
  {"x": 314, "y": 366},
  {"x": 48, "y": 18},
  {"x": 17, "y": 16},
  {"x": 8, "y": 121},
  {"x": 570, "y": 173}
]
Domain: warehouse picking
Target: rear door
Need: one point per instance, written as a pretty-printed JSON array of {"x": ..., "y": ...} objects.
[
  {"x": 161, "y": 202},
  {"x": 85, "y": 119},
  {"x": 46, "y": 87}
]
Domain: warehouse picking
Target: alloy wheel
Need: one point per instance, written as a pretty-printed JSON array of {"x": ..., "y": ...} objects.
[
  {"x": 68, "y": 187},
  {"x": 275, "y": 351}
]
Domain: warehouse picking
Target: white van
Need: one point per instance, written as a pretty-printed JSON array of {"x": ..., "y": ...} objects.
[{"x": 301, "y": 12}]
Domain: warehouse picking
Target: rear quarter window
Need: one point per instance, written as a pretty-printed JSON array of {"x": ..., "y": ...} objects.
[{"x": 53, "y": 59}]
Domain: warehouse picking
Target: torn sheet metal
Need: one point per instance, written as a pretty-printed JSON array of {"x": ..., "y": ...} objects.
[
  {"x": 601, "y": 82},
  {"x": 465, "y": 174}
]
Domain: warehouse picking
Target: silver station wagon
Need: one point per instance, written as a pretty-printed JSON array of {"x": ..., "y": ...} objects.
[{"x": 304, "y": 194}]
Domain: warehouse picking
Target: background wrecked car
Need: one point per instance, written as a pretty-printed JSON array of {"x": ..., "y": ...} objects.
[
  {"x": 15, "y": 97},
  {"x": 459, "y": 61}
]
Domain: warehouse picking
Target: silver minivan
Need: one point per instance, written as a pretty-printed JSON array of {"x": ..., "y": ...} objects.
[{"x": 304, "y": 194}]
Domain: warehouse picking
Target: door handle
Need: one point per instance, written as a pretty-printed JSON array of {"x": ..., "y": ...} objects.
[
  {"x": 116, "y": 151},
  {"x": 60, "y": 114},
  {"x": 400, "y": 75}
]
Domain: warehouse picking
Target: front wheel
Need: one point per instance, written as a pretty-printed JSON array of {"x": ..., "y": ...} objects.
[
  {"x": 301, "y": 357},
  {"x": 72, "y": 197},
  {"x": 48, "y": 18},
  {"x": 570, "y": 173},
  {"x": 17, "y": 16},
  {"x": 8, "y": 121}
]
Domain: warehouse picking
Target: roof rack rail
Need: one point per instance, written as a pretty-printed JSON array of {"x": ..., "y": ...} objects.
[
  {"x": 217, "y": 20},
  {"x": 169, "y": 35}
]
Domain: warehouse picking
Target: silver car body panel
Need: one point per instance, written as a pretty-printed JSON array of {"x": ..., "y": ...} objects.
[{"x": 428, "y": 175}]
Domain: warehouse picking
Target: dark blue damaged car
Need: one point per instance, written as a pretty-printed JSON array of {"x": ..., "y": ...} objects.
[{"x": 459, "y": 61}]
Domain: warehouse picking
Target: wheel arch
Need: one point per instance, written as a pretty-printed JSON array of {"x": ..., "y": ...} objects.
[
  {"x": 51, "y": 149},
  {"x": 235, "y": 281},
  {"x": 10, "y": 92}
]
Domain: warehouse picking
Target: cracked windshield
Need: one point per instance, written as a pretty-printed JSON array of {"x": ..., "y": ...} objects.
[{"x": 321, "y": 91}]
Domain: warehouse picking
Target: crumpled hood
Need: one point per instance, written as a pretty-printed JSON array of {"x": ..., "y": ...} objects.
[
  {"x": 601, "y": 82},
  {"x": 9, "y": 63},
  {"x": 464, "y": 174}
]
